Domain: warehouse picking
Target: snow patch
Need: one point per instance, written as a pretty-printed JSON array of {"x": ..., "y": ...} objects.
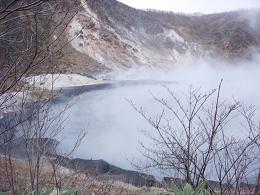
[{"x": 57, "y": 81}]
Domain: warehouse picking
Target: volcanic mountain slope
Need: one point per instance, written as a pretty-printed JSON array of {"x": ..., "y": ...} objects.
[
  {"x": 119, "y": 36},
  {"x": 106, "y": 35},
  {"x": 230, "y": 34},
  {"x": 122, "y": 37}
]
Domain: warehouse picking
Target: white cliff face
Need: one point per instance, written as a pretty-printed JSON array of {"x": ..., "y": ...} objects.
[{"x": 124, "y": 48}]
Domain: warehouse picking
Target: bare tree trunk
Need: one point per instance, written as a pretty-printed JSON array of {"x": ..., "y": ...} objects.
[{"x": 257, "y": 188}]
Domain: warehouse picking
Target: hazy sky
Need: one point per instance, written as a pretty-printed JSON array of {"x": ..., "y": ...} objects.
[{"x": 191, "y": 6}]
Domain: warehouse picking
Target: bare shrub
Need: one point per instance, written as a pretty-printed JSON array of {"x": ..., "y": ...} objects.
[{"x": 192, "y": 139}]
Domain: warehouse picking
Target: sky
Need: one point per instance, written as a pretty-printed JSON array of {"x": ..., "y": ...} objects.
[{"x": 193, "y": 6}]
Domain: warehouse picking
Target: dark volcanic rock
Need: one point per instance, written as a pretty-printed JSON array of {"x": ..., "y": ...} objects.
[{"x": 103, "y": 170}]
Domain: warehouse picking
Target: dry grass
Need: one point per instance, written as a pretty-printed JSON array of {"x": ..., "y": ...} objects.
[{"x": 68, "y": 179}]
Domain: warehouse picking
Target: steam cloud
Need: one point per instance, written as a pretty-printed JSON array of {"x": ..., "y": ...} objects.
[{"x": 114, "y": 127}]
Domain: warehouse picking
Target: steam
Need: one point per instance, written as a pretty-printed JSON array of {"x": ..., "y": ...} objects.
[
  {"x": 252, "y": 16},
  {"x": 114, "y": 128}
]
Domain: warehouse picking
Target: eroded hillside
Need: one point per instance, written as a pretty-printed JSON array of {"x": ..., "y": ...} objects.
[{"x": 102, "y": 36}]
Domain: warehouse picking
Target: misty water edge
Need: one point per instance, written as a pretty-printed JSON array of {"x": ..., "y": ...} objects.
[{"x": 114, "y": 128}]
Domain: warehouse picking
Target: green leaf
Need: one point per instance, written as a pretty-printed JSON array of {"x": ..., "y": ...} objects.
[
  {"x": 175, "y": 189},
  {"x": 46, "y": 191},
  {"x": 200, "y": 188},
  {"x": 68, "y": 191},
  {"x": 65, "y": 192},
  {"x": 187, "y": 190}
]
